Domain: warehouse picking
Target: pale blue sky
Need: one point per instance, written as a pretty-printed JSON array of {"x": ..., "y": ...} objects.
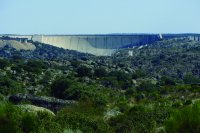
[{"x": 99, "y": 16}]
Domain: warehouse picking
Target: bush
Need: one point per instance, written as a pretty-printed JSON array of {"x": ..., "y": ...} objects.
[
  {"x": 185, "y": 120},
  {"x": 83, "y": 71},
  {"x": 177, "y": 104},
  {"x": 167, "y": 81},
  {"x": 190, "y": 79},
  {"x": 59, "y": 86},
  {"x": 73, "y": 119},
  {"x": 35, "y": 66},
  {"x": 3, "y": 63},
  {"x": 138, "y": 74},
  {"x": 28, "y": 122},
  {"x": 99, "y": 97},
  {"x": 121, "y": 124},
  {"x": 9, "y": 86},
  {"x": 110, "y": 82},
  {"x": 195, "y": 88},
  {"x": 67, "y": 89},
  {"x": 147, "y": 86},
  {"x": 100, "y": 72},
  {"x": 47, "y": 123},
  {"x": 118, "y": 79},
  {"x": 75, "y": 64},
  {"x": 15, "y": 120},
  {"x": 139, "y": 119},
  {"x": 129, "y": 92},
  {"x": 135, "y": 120},
  {"x": 9, "y": 118}
]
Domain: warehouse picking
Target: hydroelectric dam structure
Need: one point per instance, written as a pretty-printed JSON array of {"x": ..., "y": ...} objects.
[{"x": 102, "y": 44}]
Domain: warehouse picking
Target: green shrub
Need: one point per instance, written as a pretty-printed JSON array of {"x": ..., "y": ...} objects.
[
  {"x": 2, "y": 97},
  {"x": 195, "y": 88},
  {"x": 121, "y": 124},
  {"x": 146, "y": 86},
  {"x": 190, "y": 79},
  {"x": 139, "y": 119},
  {"x": 28, "y": 122},
  {"x": 142, "y": 119},
  {"x": 135, "y": 120},
  {"x": 83, "y": 71},
  {"x": 85, "y": 122},
  {"x": 186, "y": 120},
  {"x": 59, "y": 86},
  {"x": 15, "y": 120},
  {"x": 9, "y": 86},
  {"x": 167, "y": 81},
  {"x": 47, "y": 123},
  {"x": 123, "y": 107},
  {"x": 100, "y": 72},
  {"x": 118, "y": 79},
  {"x": 3, "y": 63},
  {"x": 9, "y": 118},
  {"x": 177, "y": 104},
  {"x": 138, "y": 74},
  {"x": 188, "y": 102},
  {"x": 75, "y": 64},
  {"x": 35, "y": 66}
]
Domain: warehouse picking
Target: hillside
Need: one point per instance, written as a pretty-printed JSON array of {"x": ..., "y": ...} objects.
[
  {"x": 16, "y": 45},
  {"x": 140, "y": 92},
  {"x": 175, "y": 58}
]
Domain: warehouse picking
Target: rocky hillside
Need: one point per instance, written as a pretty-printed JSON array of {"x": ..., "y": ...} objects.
[
  {"x": 134, "y": 90},
  {"x": 35, "y": 50},
  {"x": 16, "y": 45},
  {"x": 175, "y": 58}
]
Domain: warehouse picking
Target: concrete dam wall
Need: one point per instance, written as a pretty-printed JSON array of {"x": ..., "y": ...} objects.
[{"x": 102, "y": 45}]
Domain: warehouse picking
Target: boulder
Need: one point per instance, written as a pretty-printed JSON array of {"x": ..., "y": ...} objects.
[{"x": 34, "y": 109}]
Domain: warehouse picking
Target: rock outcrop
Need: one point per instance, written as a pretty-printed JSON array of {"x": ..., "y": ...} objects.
[
  {"x": 34, "y": 109},
  {"x": 42, "y": 101}
]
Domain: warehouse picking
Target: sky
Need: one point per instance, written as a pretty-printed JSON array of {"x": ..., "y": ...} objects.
[{"x": 99, "y": 16}]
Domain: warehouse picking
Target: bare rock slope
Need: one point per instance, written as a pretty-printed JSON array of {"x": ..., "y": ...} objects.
[{"x": 17, "y": 45}]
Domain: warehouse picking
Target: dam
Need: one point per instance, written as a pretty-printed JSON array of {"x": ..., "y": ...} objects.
[
  {"x": 103, "y": 44},
  {"x": 96, "y": 44}
]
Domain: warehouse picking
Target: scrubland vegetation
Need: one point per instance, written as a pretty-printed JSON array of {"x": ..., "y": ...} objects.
[{"x": 156, "y": 90}]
